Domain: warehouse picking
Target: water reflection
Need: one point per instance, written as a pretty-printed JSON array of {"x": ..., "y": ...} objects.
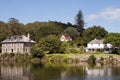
[
  {"x": 11, "y": 71},
  {"x": 57, "y": 71},
  {"x": 98, "y": 73}
]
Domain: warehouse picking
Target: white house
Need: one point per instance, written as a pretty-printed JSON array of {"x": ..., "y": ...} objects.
[
  {"x": 65, "y": 38},
  {"x": 98, "y": 45}
]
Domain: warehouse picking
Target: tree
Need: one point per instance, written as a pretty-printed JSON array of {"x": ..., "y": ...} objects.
[
  {"x": 51, "y": 44},
  {"x": 36, "y": 51},
  {"x": 15, "y": 27},
  {"x": 47, "y": 45},
  {"x": 113, "y": 38},
  {"x": 71, "y": 31},
  {"x": 80, "y": 22},
  {"x": 4, "y": 31},
  {"x": 13, "y": 21},
  {"x": 94, "y": 32},
  {"x": 44, "y": 31},
  {"x": 40, "y": 30},
  {"x": 78, "y": 41}
]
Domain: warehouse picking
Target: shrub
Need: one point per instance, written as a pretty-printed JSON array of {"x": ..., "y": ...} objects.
[
  {"x": 73, "y": 51},
  {"x": 36, "y": 52},
  {"x": 11, "y": 54},
  {"x": 92, "y": 59}
]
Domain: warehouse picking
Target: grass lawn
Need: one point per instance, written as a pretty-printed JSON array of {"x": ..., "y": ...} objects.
[{"x": 82, "y": 55}]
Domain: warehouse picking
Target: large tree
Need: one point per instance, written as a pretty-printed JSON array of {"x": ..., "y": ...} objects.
[
  {"x": 47, "y": 45},
  {"x": 80, "y": 22},
  {"x": 71, "y": 31},
  {"x": 94, "y": 32},
  {"x": 44, "y": 31},
  {"x": 113, "y": 38},
  {"x": 51, "y": 44},
  {"x": 15, "y": 27},
  {"x": 39, "y": 30}
]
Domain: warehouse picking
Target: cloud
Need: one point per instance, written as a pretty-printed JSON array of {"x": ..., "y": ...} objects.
[{"x": 106, "y": 14}]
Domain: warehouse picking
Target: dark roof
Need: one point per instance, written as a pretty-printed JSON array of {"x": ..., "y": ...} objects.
[
  {"x": 96, "y": 41},
  {"x": 17, "y": 39}
]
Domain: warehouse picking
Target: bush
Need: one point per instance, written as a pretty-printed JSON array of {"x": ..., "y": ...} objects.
[
  {"x": 48, "y": 45},
  {"x": 73, "y": 51},
  {"x": 92, "y": 59},
  {"x": 36, "y": 52},
  {"x": 11, "y": 54}
]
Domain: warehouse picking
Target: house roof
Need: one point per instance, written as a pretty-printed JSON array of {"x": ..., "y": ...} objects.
[
  {"x": 17, "y": 39},
  {"x": 65, "y": 38},
  {"x": 96, "y": 41}
]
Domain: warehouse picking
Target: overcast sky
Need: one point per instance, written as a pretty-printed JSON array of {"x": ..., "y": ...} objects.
[{"x": 105, "y": 13}]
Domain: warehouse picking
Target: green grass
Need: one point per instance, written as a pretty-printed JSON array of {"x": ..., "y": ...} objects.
[
  {"x": 65, "y": 55},
  {"x": 82, "y": 55}
]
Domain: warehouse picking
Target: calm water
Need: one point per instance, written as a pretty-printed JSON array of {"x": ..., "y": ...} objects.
[{"x": 58, "y": 71}]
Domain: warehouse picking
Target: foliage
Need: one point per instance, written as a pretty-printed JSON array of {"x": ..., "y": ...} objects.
[
  {"x": 80, "y": 22},
  {"x": 92, "y": 59},
  {"x": 66, "y": 44},
  {"x": 40, "y": 30},
  {"x": 47, "y": 45},
  {"x": 94, "y": 32},
  {"x": 78, "y": 41},
  {"x": 4, "y": 31},
  {"x": 15, "y": 27},
  {"x": 113, "y": 38},
  {"x": 73, "y": 51},
  {"x": 72, "y": 32},
  {"x": 36, "y": 51},
  {"x": 44, "y": 31},
  {"x": 14, "y": 57},
  {"x": 51, "y": 44}
]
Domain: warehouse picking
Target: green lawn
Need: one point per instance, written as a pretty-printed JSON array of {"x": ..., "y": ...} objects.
[{"x": 82, "y": 55}]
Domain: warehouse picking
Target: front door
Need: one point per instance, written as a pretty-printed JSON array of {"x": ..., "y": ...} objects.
[{"x": 11, "y": 50}]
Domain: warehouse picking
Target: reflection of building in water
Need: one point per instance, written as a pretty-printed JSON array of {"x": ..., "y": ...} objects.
[
  {"x": 98, "y": 73},
  {"x": 14, "y": 73},
  {"x": 64, "y": 75}
]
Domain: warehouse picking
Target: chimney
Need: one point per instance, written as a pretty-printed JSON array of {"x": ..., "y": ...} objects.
[{"x": 28, "y": 37}]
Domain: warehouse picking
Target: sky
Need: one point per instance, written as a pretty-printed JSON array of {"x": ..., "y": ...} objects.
[{"x": 104, "y": 13}]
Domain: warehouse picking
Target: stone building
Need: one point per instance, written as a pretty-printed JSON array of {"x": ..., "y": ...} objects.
[{"x": 17, "y": 44}]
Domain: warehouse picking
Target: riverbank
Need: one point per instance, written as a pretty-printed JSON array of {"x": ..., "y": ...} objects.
[
  {"x": 18, "y": 57},
  {"x": 67, "y": 58},
  {"x": 76, "y": 58}
]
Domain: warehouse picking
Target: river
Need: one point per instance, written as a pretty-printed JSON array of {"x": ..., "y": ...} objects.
[{"x": 58, "y": 71}]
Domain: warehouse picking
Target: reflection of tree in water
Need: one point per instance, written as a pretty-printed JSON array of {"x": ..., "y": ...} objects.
[
  {"x": 57, "y": 71},
  {"x": 116, "y": 70},
  {"x": 45, "y": 72},
  {"x": 73, "y": 73}
]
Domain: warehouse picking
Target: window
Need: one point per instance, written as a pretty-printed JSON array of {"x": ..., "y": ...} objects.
[
  {"x": 6, "y": 49},
  {"x": 18, "y": 50},
  {"x": 26, "y": 50}
]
